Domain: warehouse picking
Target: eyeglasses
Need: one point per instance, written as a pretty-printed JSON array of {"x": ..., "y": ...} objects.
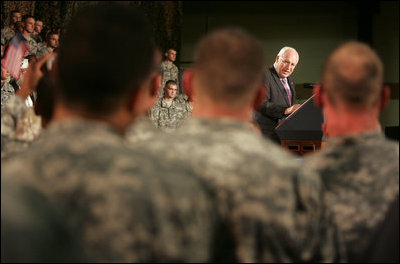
[{"x": 286, "y": 62}]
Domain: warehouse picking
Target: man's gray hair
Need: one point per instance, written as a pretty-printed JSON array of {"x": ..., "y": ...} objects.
[{"x": 285, "y": 49}]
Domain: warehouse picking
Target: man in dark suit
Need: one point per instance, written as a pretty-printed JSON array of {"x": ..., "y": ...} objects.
[{"x": 280, "y": 99}]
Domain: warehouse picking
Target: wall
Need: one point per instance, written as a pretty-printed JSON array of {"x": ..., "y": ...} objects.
[{"x": 386, "y": 43}]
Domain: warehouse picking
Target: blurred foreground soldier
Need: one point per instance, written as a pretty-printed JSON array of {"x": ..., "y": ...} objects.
[
  {"x": 171, "y": 110},
  {"x": 142, "y": 129},
  {"x": 272, "y": 207},
  {"x": 33, "y": 230},
  {"x": 358, "y": 165},
  {"x": 128, "y": 205}
]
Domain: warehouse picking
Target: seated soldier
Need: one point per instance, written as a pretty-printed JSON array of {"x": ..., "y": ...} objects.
[{"x": 171, "y": 110}]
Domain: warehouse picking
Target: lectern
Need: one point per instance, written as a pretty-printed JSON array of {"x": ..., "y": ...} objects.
[{"x": 301, "y": 132}]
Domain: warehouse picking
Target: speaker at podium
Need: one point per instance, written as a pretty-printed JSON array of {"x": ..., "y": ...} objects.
[{"x": 301, "y": 132}]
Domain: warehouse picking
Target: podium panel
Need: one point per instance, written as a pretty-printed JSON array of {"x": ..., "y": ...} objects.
[{"x": 301, "y": 132}]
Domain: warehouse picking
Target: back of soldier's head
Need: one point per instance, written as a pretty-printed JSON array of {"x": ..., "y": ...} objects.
[
  {"x": 229, "y": 65},
  {"x": 107, "y": 53},
  {"x": 353, "y": 74}
]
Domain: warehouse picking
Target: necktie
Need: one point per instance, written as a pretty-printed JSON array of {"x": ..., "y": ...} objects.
[{"x": 285, "y": 84}]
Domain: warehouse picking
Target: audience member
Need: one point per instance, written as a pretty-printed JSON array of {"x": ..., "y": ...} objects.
[
  {"x": 129, "y": 205},
  {"x": 28, "y": 22},
  {"x": 171, "y": 110},
  {"x": 273, "y": 208},
  {"x": 18, "y": 27},
  {"x": 169, "y": 71},
  {"x": 281, "y": 93},
  {"x": 37, "y": 30},
  {"x": 21, "y": 125},
  {"x": 358, "y": 165},
  {"x": 52, "y": 41},
  {"x": 9, "y": 31}
]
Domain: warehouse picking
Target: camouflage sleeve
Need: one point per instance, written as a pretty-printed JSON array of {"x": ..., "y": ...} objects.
[
  {"x": 327, "y": 245},
  {"x": 33, "y": 47},
  {"x": 40, "y": 233},
  {"x": 13, "y": 111},
  {"x": 42, "y": 50},
  {"x": 7, "y": 91},
  {"x": 293, "y": 227},
  {"x": 155, "y": 115},
  {"x": 6, "y": 35}
]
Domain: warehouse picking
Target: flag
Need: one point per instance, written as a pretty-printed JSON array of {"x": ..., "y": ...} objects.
[{"x": 15, "y": 55}]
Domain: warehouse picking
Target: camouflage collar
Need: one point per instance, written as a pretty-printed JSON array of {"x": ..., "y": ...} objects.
[
  {"x": 217, "y": 123},
  {"x": 84, "y": 127},
  {"x": 356, "y": 138}
]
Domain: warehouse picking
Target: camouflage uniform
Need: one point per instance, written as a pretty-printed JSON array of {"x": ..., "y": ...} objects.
[
  {"x": 169, "y": 118},
  {"x": 43, "y": 50},
  {"x": 361, "y": 177},
  {"x": 129, "y": 205},
  {"x": 7, "y": 34},
  {"x": 37, "y": 38},
  {"x": 141, "y": 129},
  {"x": 7, "y": 90},
  {"x": 20, "y": 126},
  {"x": 32, "y": 230},
  {"x": 33, "y": 45},
  {"x": 168, "y": 72},
  {"x": 273, "y": 207}
]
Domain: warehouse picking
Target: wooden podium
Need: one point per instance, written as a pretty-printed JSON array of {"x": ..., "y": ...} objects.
[{"x": 301, "y": 131}]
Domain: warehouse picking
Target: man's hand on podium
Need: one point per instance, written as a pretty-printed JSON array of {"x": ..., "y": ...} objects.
[{"x": 291, "y": 109}]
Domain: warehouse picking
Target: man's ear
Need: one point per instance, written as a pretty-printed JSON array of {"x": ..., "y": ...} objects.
[
  {"x": 146, "y": 96},
  {"x": 155, "y": 85},
  {"x": 317, "y": 92},
  {"x": 325, "y": 130},
  {"x": 385, "y": 97},
  {"x": 188, "y": 83},
  {"x": 260, "y": 97}
]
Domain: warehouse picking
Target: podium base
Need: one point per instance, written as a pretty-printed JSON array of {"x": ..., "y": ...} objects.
[{"x": 302, "y": 147}]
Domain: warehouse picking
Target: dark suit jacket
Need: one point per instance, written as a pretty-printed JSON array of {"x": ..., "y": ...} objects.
[{"x": 274, "y": 105}]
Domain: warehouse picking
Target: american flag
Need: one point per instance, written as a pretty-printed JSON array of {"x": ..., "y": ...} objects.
[{"x": 15, "y": 55}]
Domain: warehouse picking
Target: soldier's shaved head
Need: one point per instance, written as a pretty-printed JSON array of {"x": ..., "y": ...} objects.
[{"x": 353, "y": 74}]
